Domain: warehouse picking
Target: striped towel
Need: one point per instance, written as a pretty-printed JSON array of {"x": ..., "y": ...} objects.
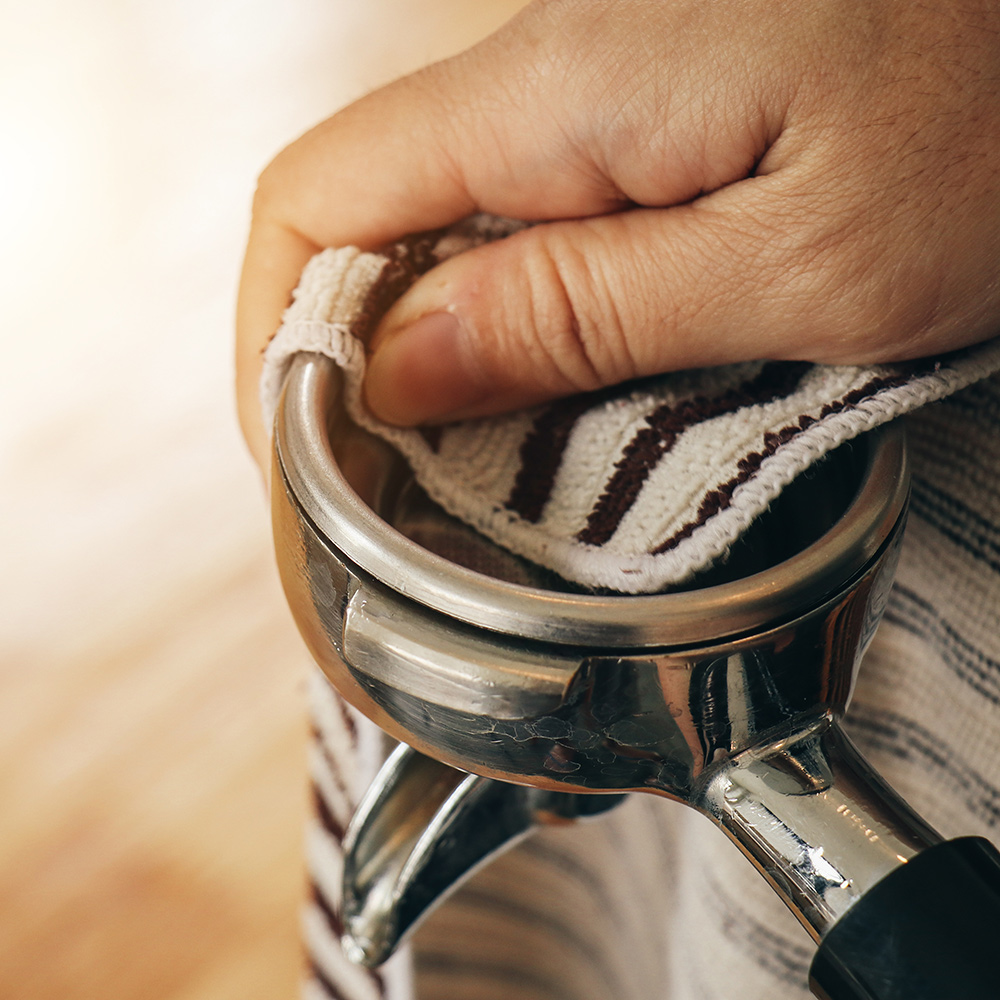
[
  {"x": 650, "y": 901},
  {"x": 635, "y": 489},
  {"x": 632, "y": 489}
]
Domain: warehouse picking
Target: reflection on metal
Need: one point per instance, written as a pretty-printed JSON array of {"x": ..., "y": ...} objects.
[
  {"x": 814, "y": 819},
  {"x": 421, "y": 830},
  {"x": 724, "y": 696}
]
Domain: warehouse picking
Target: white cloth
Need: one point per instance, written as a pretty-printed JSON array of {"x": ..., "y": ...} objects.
[
  {"x": 651, "y": 902},
  {"x": 632, "y": 489}
]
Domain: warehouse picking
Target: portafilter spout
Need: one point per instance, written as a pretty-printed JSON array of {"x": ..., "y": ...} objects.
[
  {"x": 724, "y": 696},
  {"x": 422, "y": 830}
]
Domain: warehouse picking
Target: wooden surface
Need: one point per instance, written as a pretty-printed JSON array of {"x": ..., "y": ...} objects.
[{"x": 152, "y": 731}]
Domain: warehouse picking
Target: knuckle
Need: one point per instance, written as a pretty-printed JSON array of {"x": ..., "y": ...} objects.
[{"x": 572, "y": 317}]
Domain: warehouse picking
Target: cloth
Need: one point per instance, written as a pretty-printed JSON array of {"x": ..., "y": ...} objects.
[
  {"x": 632, "y": 489},
  {"x": 651, "y": 902}
]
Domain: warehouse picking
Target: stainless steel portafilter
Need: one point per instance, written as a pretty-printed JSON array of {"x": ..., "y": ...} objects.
[{"x": 724, "y": 695}]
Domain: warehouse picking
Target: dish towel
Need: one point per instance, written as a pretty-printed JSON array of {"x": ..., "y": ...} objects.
[
  {"x": 636, "y": 489},
  {"x": 632, "y": 489}
]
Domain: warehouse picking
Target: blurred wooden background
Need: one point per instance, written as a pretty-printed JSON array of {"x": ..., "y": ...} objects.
[{"x": 152, "y": 730}]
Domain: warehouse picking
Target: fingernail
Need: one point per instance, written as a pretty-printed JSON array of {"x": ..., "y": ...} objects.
[{"x": 423, "y": 373}]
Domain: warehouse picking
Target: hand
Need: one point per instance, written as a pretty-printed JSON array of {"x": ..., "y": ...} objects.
[{"x": 716, "y": 182}]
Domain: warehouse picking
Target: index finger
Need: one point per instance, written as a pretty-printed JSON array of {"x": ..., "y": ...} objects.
[{"x": 370, "y": 174}]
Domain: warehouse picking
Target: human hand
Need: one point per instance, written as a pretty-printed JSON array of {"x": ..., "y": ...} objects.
[{"x": 715, "y": 182}]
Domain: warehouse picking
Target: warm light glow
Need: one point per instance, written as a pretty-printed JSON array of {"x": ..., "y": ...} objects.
[{"x": 29, "y": 174}]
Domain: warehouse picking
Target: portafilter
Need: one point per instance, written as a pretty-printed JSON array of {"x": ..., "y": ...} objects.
[{"x": 725, "y": 695}]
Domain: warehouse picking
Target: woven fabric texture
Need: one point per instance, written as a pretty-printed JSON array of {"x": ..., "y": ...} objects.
[
  {"x": 633, "y": 489},
  {"x": 650, "y": 901}
]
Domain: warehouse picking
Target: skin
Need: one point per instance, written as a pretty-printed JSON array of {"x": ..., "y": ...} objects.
[{"x": 715, "y": 182}]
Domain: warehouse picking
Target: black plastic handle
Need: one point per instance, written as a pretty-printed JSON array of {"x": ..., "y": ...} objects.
[{"x": 930, "y": 930}]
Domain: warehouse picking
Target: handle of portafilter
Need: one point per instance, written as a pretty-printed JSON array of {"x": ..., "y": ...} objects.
[
  {"x": 725, "y": 697},
  {"x": 898, "y": 914},
  {"x": 927, "y": 931}
]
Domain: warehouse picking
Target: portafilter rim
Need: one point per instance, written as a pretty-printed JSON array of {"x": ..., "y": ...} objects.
[{"x": 781, "y": 592}]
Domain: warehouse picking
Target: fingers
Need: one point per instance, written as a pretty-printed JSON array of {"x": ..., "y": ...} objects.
[
  {"x": 573, "y": 306},
  {"x": 825, "y": 194},
  {"x": 416, "y": 155},
  {"x": 835, "y": 258},
  {"x": 352, "y": 180},
  {"x": 274, "y": 260},
  {"x": 545, "y": 120}
]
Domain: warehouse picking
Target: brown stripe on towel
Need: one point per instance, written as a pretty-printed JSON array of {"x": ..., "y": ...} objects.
[
  {"x": 405, "y": 261},
  {"x": 324, "y": 982},
  {"x": 325, "y": 815},
  {"x": 333, "y": 918},
  {"x": 336, "y": 925},
  {"x": 719, "y": 499},
  {"x": 541, "y": 455},
  {"x": 333, "y": 765},
  {"x": 350, "y": 726},
  {"x": 432, "y": 435},
  {"x": 665, "y": 426}
]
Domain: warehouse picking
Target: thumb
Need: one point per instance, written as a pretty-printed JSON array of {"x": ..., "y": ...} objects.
[{"x": 570, "y": 307}]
